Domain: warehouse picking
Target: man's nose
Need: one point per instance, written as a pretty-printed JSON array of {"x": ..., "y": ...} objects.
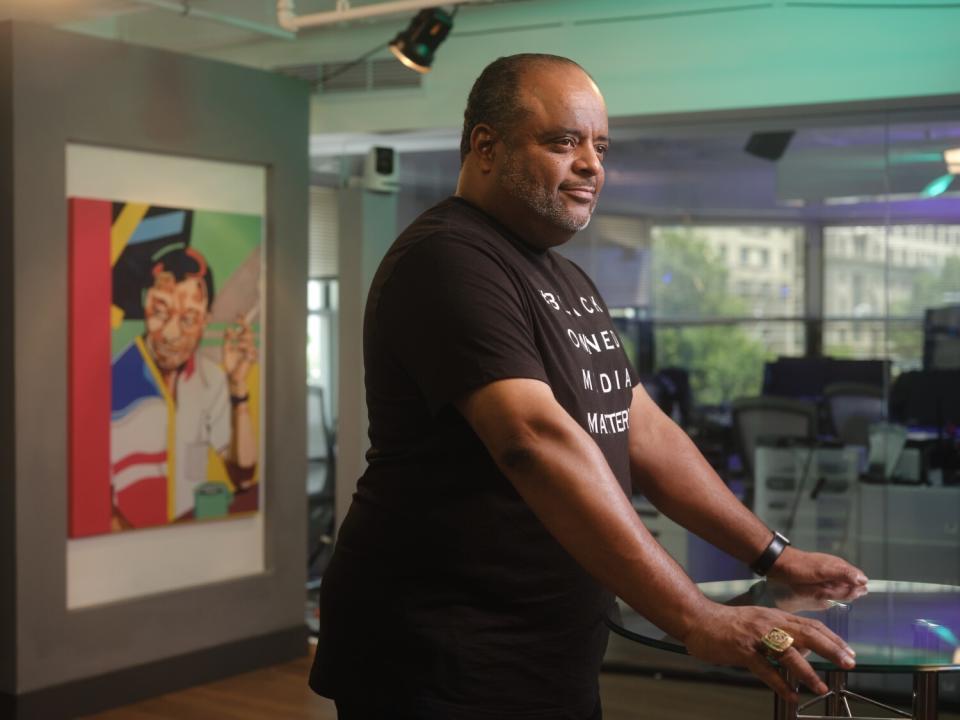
[
  {"x": 588, "y": 161},
  {"x": 171, "y": 329}
]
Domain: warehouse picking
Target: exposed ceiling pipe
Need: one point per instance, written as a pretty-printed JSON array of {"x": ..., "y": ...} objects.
[
  {"x": 185, "y": 8},
  {"x": 288, "y": 19}
]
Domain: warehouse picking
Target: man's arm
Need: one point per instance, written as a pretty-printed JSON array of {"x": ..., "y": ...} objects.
[
  {"x": 563, "y": 476},
  {"x": 668, "y": 469},
  {"x": 240, "y": 456},
  {"x": 239, "y": 354}
]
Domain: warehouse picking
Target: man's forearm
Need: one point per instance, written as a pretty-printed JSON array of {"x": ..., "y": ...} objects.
[
  {"x": 669, "y": 470},
  {"x": 563, "y": 476},
  {"x": 244, "y": 441}
]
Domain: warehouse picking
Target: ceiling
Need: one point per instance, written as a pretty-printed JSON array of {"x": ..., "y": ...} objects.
[
  {"x": 61, "y": 11},
  {"x": 672, "y": 168},
  {"x": 191, "y": 26}
]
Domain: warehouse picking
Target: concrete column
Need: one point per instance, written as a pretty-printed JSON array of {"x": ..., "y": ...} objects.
[
  {"x": 368, "y": 226},
  {"x": 813, "y": 289}
]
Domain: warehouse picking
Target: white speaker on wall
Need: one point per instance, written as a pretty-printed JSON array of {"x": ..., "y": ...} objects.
[{"x": 381, "y": 170}]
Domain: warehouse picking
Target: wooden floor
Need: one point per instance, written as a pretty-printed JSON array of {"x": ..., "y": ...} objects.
[{"x": 281, "y": 693}]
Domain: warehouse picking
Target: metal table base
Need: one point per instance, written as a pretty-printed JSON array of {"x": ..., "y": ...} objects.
[{"x": 836, "y": 701}]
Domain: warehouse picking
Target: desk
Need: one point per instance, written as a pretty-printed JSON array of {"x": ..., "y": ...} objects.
[
  {"x": 898, "y": 627},
  {"x": 786, "y": 477},
  {"x": 895, "y": 531}
]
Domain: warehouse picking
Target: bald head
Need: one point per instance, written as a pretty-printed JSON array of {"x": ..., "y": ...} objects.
[
  {"x": 535, "y": 136},
  {"x": 496, "y": 97}
]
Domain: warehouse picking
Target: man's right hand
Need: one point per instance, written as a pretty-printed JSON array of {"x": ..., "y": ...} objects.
[{"x": 726, "y": 635}]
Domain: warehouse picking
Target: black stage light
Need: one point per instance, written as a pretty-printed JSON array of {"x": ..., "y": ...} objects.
[
  {"x": 415, "y": 46},
  {"x": 769, "y": 145}
]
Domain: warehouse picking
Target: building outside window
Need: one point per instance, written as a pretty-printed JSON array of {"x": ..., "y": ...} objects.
[{"x": 874, "y": 308}]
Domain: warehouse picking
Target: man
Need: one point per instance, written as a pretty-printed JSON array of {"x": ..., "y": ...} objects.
[
  {"x": 474, "y": 568},
  {"x": 172, "y": 405}
]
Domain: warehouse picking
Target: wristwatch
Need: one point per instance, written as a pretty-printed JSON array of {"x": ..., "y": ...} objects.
[{"x": 768, "y": 557}]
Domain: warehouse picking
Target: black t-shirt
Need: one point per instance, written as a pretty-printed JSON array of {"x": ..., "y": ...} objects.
[{"x": 446, "y": 596}]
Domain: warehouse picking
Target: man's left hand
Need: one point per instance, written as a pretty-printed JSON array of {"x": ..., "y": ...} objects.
[
  {"x": 239, "y": 354},
  {"x": 797, "y": 567}
]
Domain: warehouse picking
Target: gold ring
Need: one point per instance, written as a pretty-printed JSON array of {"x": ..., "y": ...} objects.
[{"x": 775, "y": 643}]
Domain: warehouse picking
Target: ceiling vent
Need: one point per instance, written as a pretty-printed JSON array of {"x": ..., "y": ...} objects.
[{"x": 365, "y": 76}]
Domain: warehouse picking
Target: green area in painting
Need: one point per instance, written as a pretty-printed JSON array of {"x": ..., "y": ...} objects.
[
  {"x": 214, "y": 335},
  {"x": 122, "y": 336},
  {"x": 226, "y": 240}
]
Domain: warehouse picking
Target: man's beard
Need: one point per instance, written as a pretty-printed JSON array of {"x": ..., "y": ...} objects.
[{"x": 518, "y": 183}]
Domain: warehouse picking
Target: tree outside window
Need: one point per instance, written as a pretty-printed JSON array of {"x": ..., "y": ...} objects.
[{"x": 691, "y": 282}]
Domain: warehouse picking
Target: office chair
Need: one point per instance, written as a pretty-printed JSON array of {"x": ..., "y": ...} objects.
[
  {"x": 769, "y": 417},
  {"x": 852, "y": 408}
]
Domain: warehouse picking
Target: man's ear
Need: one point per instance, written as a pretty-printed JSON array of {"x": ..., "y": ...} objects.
[{"x": 483, "y": 142}]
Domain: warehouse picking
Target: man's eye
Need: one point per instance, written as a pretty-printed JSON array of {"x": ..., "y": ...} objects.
[
  {"x": 602, "y": 150},
  {"x": 189, "y": 320},
  {"x": 565, "y": 142}
]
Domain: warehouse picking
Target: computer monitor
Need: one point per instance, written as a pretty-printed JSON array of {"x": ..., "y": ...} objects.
[{"x": 806, "y": 377}]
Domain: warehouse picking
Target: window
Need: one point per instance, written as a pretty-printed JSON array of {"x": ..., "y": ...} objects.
[
  {"x": 725, "y": 360},
  {"x": 322, "y": 302},
  {"x": 919, "y": 276},
  {"x": 708, "y": 316},
  {"x": 690, "y": 282},
  {"x": 860, "y": 246},
  {"x": 875, "y": 310},
  {"x": 322, "y": 305},
  {"x": 858, "y": 296}
]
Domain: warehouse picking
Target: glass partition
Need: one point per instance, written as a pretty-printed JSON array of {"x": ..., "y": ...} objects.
[
  {"x": 797, "y": 311},
  {"x": 823, "y": 275},
  {"x": 751, "y": 261},
  {"x": 789, "y": 292}
]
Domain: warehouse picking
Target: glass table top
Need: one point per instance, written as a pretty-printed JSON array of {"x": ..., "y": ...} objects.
[{"x": 893, "y": 627}]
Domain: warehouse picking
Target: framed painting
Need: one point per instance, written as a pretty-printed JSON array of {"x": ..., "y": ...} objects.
[{"x": 165, "y": 308}]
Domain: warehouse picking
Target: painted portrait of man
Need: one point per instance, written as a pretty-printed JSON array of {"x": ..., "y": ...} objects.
[{"x": 184, "y": 374}]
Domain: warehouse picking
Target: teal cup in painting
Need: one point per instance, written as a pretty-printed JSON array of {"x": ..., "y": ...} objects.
[{"x": 211, "y": 500}]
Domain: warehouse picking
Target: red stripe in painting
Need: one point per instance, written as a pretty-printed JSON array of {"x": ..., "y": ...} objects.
[
  {"x": 89, "y": 367},
  {"x": 137, "y": 459},
  {"x": 144, "y": 504}
]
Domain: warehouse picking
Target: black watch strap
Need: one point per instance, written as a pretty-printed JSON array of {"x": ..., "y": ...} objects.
[{"x": 768, "y": 557}]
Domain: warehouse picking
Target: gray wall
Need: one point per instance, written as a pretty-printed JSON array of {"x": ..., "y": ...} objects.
[
  {"x": 7, "y": 527},
  {"x": 69, "y": 88}
]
